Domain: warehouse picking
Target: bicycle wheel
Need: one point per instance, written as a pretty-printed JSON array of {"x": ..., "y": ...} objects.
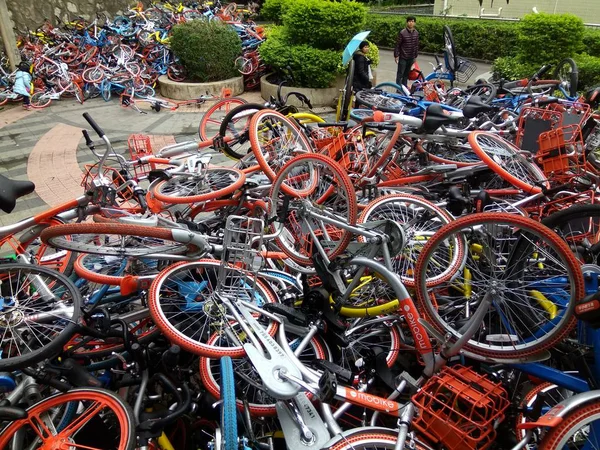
[
  {"x": 390, "y": 87},
  {"x": 458, "y": 97},
  {"x": 77, "y": 93},
  {"x": 460, "y": 154},
  {"x": 109, "y": 270},
  {"x": 372, "y": 98},
  {"x": 450, "y": 49},
  {"x": 228, "y": 406},
  {"x": 579, "y": 226},
  {"x": 275, "y": 140},
  {"x": 106, "y": 90},
  {"x": 312, "y": 182},
  {"x": 93, "y": 75},
  {"x": 40, "y": 100},
  {"x": 39, "y": 314},
  {"x": 184, "y": 304},
  {"x": 346, "y": 97},
  {"x": 567, "y": 72},
  {"x": 4, "y": 92},
  {"x": 508, "y": 162},
  {"x": 114, "y": 239},
  {"x": 532, "y": 277},
  {"x": 420, "y": 220},
  {"x": 212, "y": 119},
  {"x": 214, "y": 183},
  {"x": 100, "y": 420},
  {"x": 579, "y": 429},
  {"x": 236, "y": 127}
]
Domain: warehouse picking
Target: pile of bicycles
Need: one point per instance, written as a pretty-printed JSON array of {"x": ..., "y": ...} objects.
[
  {"x": 86, "y": 59},
  {"x": 402, "y": 281}
]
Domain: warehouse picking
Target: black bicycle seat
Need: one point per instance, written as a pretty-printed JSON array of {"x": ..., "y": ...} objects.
[
  {"x": 435, "y": 117},
  {"x": 11, "y": 190},
  {"x": 475, "y": 106}
]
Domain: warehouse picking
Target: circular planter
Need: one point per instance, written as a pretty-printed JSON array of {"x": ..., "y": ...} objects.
[
  {"x": 184, "y": 91},
  {"x": 317, "y": 97}
]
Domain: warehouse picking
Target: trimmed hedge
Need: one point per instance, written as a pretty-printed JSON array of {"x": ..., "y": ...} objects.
[
  {"x": 311, "y": 67},
  {"x": 548, "y": 38},
  {"x": 272, "y": 10},
  {"x": 207, "y": 50},
  {"x": 589, "y": 71},
  {"x": 481, "y": 39},
  {"x": 591, "y": 42},
  {"x": 323, "y": 24}
]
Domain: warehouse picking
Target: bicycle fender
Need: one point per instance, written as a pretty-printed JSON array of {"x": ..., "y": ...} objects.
[{"x": 555, "y": 416}]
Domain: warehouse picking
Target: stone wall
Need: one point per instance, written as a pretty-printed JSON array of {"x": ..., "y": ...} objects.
[{"x": 30, "y": 14}]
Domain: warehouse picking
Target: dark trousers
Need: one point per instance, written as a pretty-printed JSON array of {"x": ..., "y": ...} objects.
[
  {"x": 26, "y": 101},
  {"x": 404, "y": 66}
]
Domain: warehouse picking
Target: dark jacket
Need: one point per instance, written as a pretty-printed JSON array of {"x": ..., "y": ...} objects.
[
  {"x": 407, "y": 44},
  {"x": 361, "y": 71}
]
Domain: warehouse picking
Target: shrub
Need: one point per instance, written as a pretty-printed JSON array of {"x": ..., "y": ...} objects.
[
  {"x": 311, "y": 67},
  {"x": 591, "y": 42},
  {"x": 324, "y": 24},
  {"x": 589, "y": 71},
  {"x": 207, "y": 50},
  {"x": 373, "y": 54},
  {"x": 481, "y": 39},
  {"x": 548, "y": 38},
  {"x": 272, "y": 10},
  {"x": 511, "y": 68}
]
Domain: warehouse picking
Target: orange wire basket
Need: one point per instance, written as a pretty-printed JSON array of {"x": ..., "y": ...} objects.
[
  {"x": 561, "y": 153},
  {"x": 91, "y": 173},
  {"x": 459, "y": 407},
  {"x": 140, "y": 146}
]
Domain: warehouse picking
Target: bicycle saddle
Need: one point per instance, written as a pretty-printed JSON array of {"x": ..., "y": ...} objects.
[
  {"x": 475, "y": 106},
  {"x": 11, "y": 190},
  {"x": 435, "y": 117}
]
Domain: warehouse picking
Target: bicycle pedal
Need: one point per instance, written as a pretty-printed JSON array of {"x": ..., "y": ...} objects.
[{"x": 344, "y": 375}]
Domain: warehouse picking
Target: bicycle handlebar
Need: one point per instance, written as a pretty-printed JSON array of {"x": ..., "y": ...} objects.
[{"x": 94, "y": 125}]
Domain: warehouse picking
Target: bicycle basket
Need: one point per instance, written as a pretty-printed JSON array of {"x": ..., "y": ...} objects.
[
  {"x": 458, "y": 407},
  {"x": 241, "y": 258},
  {"x": 465, "y": 70},
  {"x": 561, "y": 153},
  {"x": 140, "y": 146}
]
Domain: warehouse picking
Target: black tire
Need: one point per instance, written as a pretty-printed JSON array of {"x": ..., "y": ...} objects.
[
  {"x": 567, "y": 72},
  {"x": 450, "y": 48},
  {"x": 240, "y": 145},
  {"x": 373, "y": 98},
  {"x": 347, "y": 93},
  {"x": 485, "y": 91},
  {"x": 43, "y": 344}
]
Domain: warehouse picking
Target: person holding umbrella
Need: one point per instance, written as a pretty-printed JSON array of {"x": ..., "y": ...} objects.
[
  {"x": 406, "y": 50},
  {"x": 362, "y": 68}
]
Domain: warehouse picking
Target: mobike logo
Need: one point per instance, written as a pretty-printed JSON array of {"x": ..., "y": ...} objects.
[
  {"x": 368, "y": 399},
  {"x": 414, "y": 327},
  {"x": 588, "y": 306}
]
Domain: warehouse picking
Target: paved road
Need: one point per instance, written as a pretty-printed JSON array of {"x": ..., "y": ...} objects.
[{"x": 386, "y": 71}]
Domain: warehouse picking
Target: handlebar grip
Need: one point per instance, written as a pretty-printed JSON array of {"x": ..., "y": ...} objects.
[
  {"x": 545, "y": 68},
  {"x": 78, "y": 376},
  {"x": 93, "y": 124},
  {"x": 88, "y": 140},
  {"x": 544, "y": 102},
  {"x": 140, "y": 195}
]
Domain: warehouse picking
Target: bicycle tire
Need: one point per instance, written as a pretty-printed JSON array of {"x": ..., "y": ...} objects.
[
  {"x": 513, "y": 285},
  {"x": 106, "y": 90},
  {"x": 274, "y": 139},
  {"x": 238, "y": 130},
  {"x": 374, "y": 99},
  {"x": 347, "y": 94},
  {"x": 506, "y": 160},
  {"x": 321, "y": 182},
  {"x": 78, "y": 93},
  {"x": 567, "y": 72},
  {"x": 421, "y": 219},
  {"x": 92, "y": 75},
  {"x": 3, "y": 96},
  {"x": 215, "y": 183},
  {"x": 369, "y": 438},
  {"x": 95, "y": 238},
  {"x": 29, "y": 302},
  {"x": 485, "y": 91},
  {"x": 197, "y": 279},
  {"x": 390, "y": 87},
  {"x": 558, "y": 436},
  {"x": 38, "y": 101},
  {"x": 450, "y": 48},
  {"x": 218, "y": 109},
  {"x": 228, "y": 406},
  {"x": 100, "y": 398},
  {"x": 107, "y": 270}
]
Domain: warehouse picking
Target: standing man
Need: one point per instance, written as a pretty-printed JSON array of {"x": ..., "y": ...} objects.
[{"x": 406, "y": 50}]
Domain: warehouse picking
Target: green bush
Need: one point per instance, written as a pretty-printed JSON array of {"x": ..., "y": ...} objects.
[
  {"x": 207, "y": 50},
  {"x": 373, "y": 54},
  {"x": 511, "y": 68},
  {"x": 324, "y": 24},
  {"x": 272, "y": 10},
  {"x": 548, "y": 38},
  {"x": 589, "y": 71},
  {"x": 591, "y": 42},
  {"x": 481, "y": 39},
  {"x": 311, "y": 67}
]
